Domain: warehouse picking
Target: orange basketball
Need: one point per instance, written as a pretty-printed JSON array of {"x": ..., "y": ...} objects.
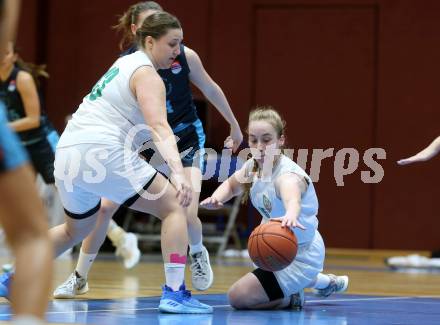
[{"x": 272, "y": 247}]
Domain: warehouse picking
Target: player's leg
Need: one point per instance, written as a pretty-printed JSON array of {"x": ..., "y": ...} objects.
[
  {"x": 201, "y": 271},
  {"x": 323, "y": 285},
  {"x": 75, "y": 228},
  {"x": 327, "y": 284},
  {"x": 42, "y": 154},
  {"x": 25, "y": 223},
  {"x": 191, "y": 141},
  {"x": 257, "y": 290},
  {"x": 159, "y": 199},
  {"x": 76, "y": 283},
  {"x": 126, "y": 243}
]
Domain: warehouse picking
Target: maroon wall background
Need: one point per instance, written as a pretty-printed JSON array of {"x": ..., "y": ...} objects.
[{"x": 345, "y": 74}]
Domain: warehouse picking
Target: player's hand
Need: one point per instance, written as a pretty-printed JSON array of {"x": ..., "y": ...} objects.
[
  {"x": 234, "y": 139},
  {"x": 211, "y": 203},
  {"x": 184, "y": 191},
  {"x": 423, "y": 155},
  {"x": 289, "y": 221},
  {"x": 413, "y": 159}
]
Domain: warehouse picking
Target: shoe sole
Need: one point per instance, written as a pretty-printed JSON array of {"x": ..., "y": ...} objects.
[
  {"x": 166, "y": 310},
  {"x": 67, "y": 296},
  {"x": 211, "y": 273}
]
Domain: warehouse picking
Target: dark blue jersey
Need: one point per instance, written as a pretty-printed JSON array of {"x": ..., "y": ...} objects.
[
  {"x": 11, "y": 97},
  {"x": 181, "y": 110}
]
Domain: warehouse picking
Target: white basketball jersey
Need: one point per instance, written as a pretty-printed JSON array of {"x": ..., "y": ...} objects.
[
  {"x": 110, "y": 111},
  {"x": 266, "y": 201}
]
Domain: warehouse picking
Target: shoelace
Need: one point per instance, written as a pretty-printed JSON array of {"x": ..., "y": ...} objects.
[
  {"x": 196, "y": 267},
  {"x": 187, "y": 294},
  {"x": 71, "y": 282}
]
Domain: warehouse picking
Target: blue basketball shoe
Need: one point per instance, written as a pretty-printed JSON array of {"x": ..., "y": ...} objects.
[
  {"x": 5, "y": 283},
  {"x": 181, "y": 302}
]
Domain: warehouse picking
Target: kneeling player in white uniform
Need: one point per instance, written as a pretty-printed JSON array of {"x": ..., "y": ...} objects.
[{"x": 279, "y": 189}]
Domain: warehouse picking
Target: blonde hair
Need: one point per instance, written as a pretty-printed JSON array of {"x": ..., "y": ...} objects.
[{"x": 271, "y": 116}]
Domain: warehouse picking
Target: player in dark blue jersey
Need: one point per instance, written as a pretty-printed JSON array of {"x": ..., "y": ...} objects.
[
  {"x": 19, "y": 92},
  {"x": 186, "y": 69},
  {"x": 21, "y": 211}
]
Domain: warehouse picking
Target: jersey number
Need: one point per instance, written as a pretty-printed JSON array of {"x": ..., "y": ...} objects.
[{"x": 100, "y": 85}]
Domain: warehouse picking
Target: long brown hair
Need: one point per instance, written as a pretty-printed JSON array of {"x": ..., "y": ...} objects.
[
  {"x": 271, "y": 116},
  {"x": 36, "y": 70},
  {"x": 131, "y": 16}
]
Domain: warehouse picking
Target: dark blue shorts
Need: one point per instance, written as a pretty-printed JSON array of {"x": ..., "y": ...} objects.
[
  {"x": 42, "y": 156},
  {"x": 12, "y": 154},
  {"x": 190, "y": 143}
]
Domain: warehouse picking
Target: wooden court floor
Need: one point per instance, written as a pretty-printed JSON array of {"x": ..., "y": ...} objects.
[
  {"x": 366, "y": 269},
  {"x": 369, "y": 276}
]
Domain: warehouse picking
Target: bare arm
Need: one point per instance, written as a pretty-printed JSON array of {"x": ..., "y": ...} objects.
[
  {"x": 31, "y": 102},
  {"x": 149, "y": 90},
  {"x": 8, "y": 23},
  {"x": 290, "y": 187},
  {"x": 426, "y": 154},
  {"x": 230, "y": 188},
  {"x": 201, "y": 79}
]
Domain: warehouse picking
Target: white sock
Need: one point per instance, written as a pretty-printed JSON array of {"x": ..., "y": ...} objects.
[
  {"x": 174, "y": 275},
  {"x": 85, "y": 262},
  {"x": 27, "y": 320},
  {"x": 112, "y": 225},
  {"x": 322, "y": 281},
  {"x": 115, "y": 233},
  {"x": 197, "y": 248}
]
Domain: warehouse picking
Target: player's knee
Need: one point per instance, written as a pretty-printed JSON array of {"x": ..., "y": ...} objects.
[
  {"x": 236, "y": 297},
  {"x": 173, "y": 209},
  {"x": 107, "y": 211},
  {"x": 191, "y": 217}
]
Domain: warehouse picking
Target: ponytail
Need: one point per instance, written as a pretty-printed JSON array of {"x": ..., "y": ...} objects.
[{"x": 131, "y": 16}]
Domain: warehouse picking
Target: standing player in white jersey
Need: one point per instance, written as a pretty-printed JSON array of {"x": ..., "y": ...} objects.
[
  {"x": 182, "y": 116},
  {"x": 281, "y": 190},
  {"x": 97, "y": 156}
]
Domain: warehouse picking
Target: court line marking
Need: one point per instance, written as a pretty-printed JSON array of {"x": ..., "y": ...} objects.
[
  {"x": 358, "y": 299},
  {"x": 223, "y": 306}
]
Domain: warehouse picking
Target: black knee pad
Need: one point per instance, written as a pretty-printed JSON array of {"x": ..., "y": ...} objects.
[{"x": 269, "y": 283}]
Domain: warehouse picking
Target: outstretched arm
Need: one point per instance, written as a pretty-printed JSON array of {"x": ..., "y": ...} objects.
[
  {"x": 201, "y": 79},
  {"x": 426, "y": 154},
  {"x": 289, "y": 187},
  {"x": 230, "y": 188}
]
